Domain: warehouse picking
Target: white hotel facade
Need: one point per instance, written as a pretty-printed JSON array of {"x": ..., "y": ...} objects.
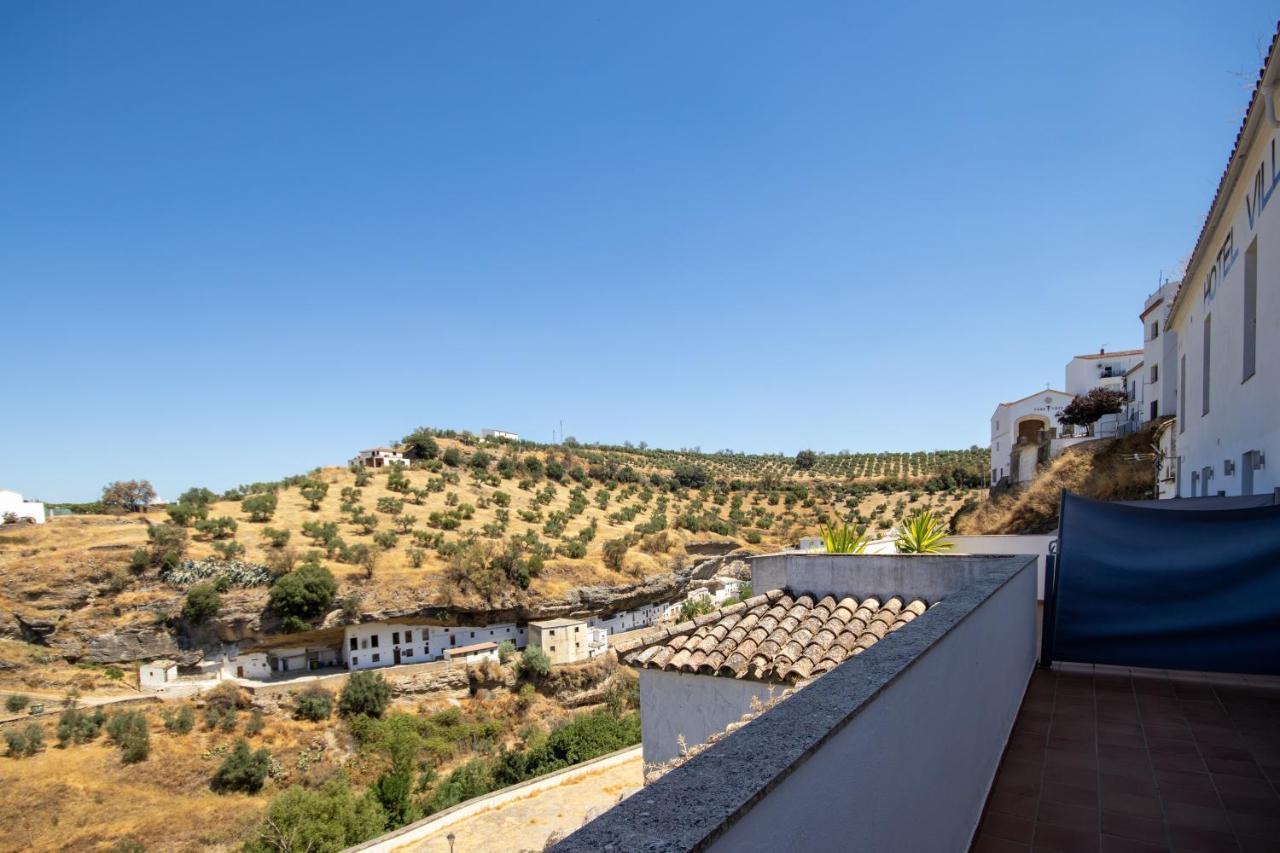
[{"x": 1208, "y": 372}]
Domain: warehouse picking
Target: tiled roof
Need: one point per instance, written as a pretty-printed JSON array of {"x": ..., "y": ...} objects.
[{"x": 778, "y": 637}]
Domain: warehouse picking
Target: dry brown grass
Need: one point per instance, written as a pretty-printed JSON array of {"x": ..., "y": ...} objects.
[
  {"x": 1096, "y": 470},
  {"x": 85, "y": 798}
]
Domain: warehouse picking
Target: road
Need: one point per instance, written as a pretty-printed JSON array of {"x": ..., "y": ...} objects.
[{"x": 525, "y": 824}]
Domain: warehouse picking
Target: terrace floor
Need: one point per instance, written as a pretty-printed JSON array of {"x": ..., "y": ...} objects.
[{"x": 1111, "y": 759}]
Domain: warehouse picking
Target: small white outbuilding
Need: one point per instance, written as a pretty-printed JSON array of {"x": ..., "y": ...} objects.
[
  {"x": 13, "y": 504},
  {"x": 157, "y": 675}
]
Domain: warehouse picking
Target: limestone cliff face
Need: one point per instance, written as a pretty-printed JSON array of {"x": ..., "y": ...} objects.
[{"x": 92, "y": 621}]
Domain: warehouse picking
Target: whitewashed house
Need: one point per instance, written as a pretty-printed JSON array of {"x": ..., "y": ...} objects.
[
  {"x": 1224, "y": 323},
  {"x": 1019, "y": 427},
  {"x": 157, "y": 675},
  {"x": 370, "y": 645},
  {"x": 473, "y": 654},
  {"x": 14, "y": 505},
  {"x": 499, "y": 434},
  {"x": 379, "y": 457}
]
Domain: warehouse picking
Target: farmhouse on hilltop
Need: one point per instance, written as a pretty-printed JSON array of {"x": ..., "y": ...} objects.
[
  {"x": 13, "y": 504},
  {"x": 379, "y": 457}
]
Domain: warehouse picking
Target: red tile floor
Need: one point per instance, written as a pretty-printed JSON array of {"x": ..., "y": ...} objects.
[{"x": 1109, "y": 759}]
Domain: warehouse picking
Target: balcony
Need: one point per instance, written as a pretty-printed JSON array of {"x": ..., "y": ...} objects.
[{"x": 914, "y": 726}]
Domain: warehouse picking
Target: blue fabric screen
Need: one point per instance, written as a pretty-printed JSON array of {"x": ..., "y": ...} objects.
[{"x": 1166, "y": 588}]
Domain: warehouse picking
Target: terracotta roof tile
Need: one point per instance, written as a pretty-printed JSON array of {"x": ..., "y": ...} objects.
[{"x": 777, "y": 636}]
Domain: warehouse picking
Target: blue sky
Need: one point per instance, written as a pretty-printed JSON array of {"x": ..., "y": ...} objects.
[{"x": 239, "y": 240}]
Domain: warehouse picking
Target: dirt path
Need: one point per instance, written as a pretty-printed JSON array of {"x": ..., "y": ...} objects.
[{"x": 525, "y": 824}]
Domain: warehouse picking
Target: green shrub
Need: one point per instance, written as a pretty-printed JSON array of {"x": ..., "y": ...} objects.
[
  {"x": 180, "y": 721},
  {"x": 222, "y": 527},
  {"x": 280, "y": 538},
  {"x": 202, "y": 604},
  {"x": 185, "y": 514},
  {"x": 16, "y": 702},
  {"x": 364, "y": 693},
  {"x": 129, "y": 731},
  {"x": 304, "y": 593},
  {"x": 615, "y": 553},
  {"x": 332, "y": 818},
  {"x": 253, "y": 726},
  {"x": 26, "y": 741},
  {"x": 534, "y": 662},
  {"x": 242, "y": 770},
  {"x": 76, "y": 726},
  {"x": 315, "y": 704},
  {"x": 314, "y": 491},
  {"x": 506, "y": 650},
  {"x": 260, "y": 507}
]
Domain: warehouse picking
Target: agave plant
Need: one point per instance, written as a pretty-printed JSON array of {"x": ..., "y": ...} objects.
[
  {"x": 922, "y": 533},
  {"x": 844, "y": 539}
]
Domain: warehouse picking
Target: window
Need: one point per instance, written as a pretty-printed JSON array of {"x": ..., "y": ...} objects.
[
  {"x": 354, "y": 660},
  {"x": 377, "y": 658},
  {"x": 408, "y": 636},
  {"x": 395, "y": 638},
  {"x": 575, "y": 629},
  {"x": 553, "y": 648},
  {"x": 473, "y": 635},
  {"x": 355, "y": 644},
  {"x": 373, "y": 641},
  {"x": 1155, "y": 373},
  {"x": 1250, "y": 330},
  {"x": 1182, "y": 394},
  {"x": 1204, "y": 378},
  {"x": 408, "y": 653},
  {"x": 364, "y": 644}
]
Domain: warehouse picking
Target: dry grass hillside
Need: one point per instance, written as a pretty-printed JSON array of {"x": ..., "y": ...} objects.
[{"x": 1102, "y": 470}]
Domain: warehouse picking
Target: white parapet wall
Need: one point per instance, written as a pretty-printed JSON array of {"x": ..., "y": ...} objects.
[{"x": 1027, "y": 543}]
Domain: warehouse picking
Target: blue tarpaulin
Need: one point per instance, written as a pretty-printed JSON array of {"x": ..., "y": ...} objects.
[{"x": 1166, "y": 588}]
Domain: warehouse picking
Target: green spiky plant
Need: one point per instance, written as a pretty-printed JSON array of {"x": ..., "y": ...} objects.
[
  {"x": 922, "y": 533},
  {"x": 844, "y": 538}
]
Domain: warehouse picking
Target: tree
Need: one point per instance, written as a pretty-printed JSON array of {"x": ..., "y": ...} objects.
[
  {"x": 365, "y": 693},
  {"x": 394, "y": 788},
  {"x": 202, "y": 604},
  {"x": 183, "y": 514},
  {"x": 197, "y": 497},
  {"x": 243, "y": 769},
  {"x": 76, "y": 726},
  {"x": 128, "y": 495},
  {"x": 129, "y": 731},
  {"x": 806, "y": 459},
  {"x": 332, "y": 818},
  {"x": 25, "y": 742},
  {"x": 314, "y": 491},
  {"x": 260, "y": 506},
  {"x": 1087, "y": 409},
  {"x": 615, "y": 553},
  {"x": 420, "y": 444},
  {"x": 534, "y": 662},
  {"x": 692, "y": 608},
  {"x": 222, "y": 527},
  {"x": 304, "y": 593},
  {"x": 691, "y": 476},
  {"x": 452, "y": 457},
  {"x": 315, "y": 704},
  {"x": 16, "y": 702},
  {"x": 167, "y": 545}
]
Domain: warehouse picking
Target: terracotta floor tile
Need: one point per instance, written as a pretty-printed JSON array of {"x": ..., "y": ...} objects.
[
  {"x": 1066, "y": 840},
  {"x": 1146, "y": 829},
  {"x": 1200, "y": 817},
  {"x": 1184, "y": 838},
  {"x": 1115, "y": 844},
  {"x": 990, "y": 844},
  {"x": 1069, "y": 794},
  {"x": 1067, "y": 814},
  {"x": 1022, "y": 806},
  {"x": 1255, "y": 826},
  {"x": 1133, "y": 804},
  {"x": 1007, "y": 826}
]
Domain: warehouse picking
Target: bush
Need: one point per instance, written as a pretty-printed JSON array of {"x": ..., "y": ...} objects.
[
  {"x": 185, "y": 514},
  {"x": 253, "y": 726},
  {"x": 806, "y": 459},
  {"x": 329, "y": 819},
  {"x": 16, "y": 702},
  {"x": 222, "y": 527},
  {"x": 25, "y": 742},
  {"x": 615, "y": 553},
  {"x": 365, "y": 693},
  {"x": 242, "y": 770},
  {"x": 315, "y": 704},
  {"x": 76, "y": 726},
  {"x": 181, "y": 721},
  {"x": 534, "y": 662},
  {"x": 452, "y": 457},
  {"x": 277, "y": 538},
  {"x": 314, "y": 491},
  {"x": 129, "y": 731},
  {"x": 506, "y": 650},
  {"x": 260, "y": 507},
  {"x": 304, "y": 593},
  {"x": 202, "y": 604}
]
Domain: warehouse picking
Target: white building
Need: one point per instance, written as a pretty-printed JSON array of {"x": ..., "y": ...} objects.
[
  {"x": 370, "y": 645},
  {"x": 12, "y": 503},
  {"x": 639, "y": 617},
  {"x": 499, "y": 434},
  {"x": 1224, "y": 320},
  {"x": 379, "y": 457},
  {"x": 473, "y": 654},
  {"x": 568, "y": 640},
  {"x": 1018, "y": 428},
  {"x": 157, "y": 675}
]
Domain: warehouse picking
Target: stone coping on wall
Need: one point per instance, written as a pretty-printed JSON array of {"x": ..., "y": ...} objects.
[{"x": 689, "y": 807}]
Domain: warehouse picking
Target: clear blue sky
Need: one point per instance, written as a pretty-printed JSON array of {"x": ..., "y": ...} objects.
[{"x": 238, "y": 240}]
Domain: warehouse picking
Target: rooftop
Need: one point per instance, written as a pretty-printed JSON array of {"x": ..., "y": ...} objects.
[
  {"x": 475, "y": 647},
  {"x": 776, "y": 637},
  {"x": 1120, "y": 353},
  {"x": 562, "y": 622}
]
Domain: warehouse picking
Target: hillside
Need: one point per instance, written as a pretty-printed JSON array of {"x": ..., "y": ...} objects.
[
  {"x": 1103, "y": 470},
  {"x": 494, "y": 527}
]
